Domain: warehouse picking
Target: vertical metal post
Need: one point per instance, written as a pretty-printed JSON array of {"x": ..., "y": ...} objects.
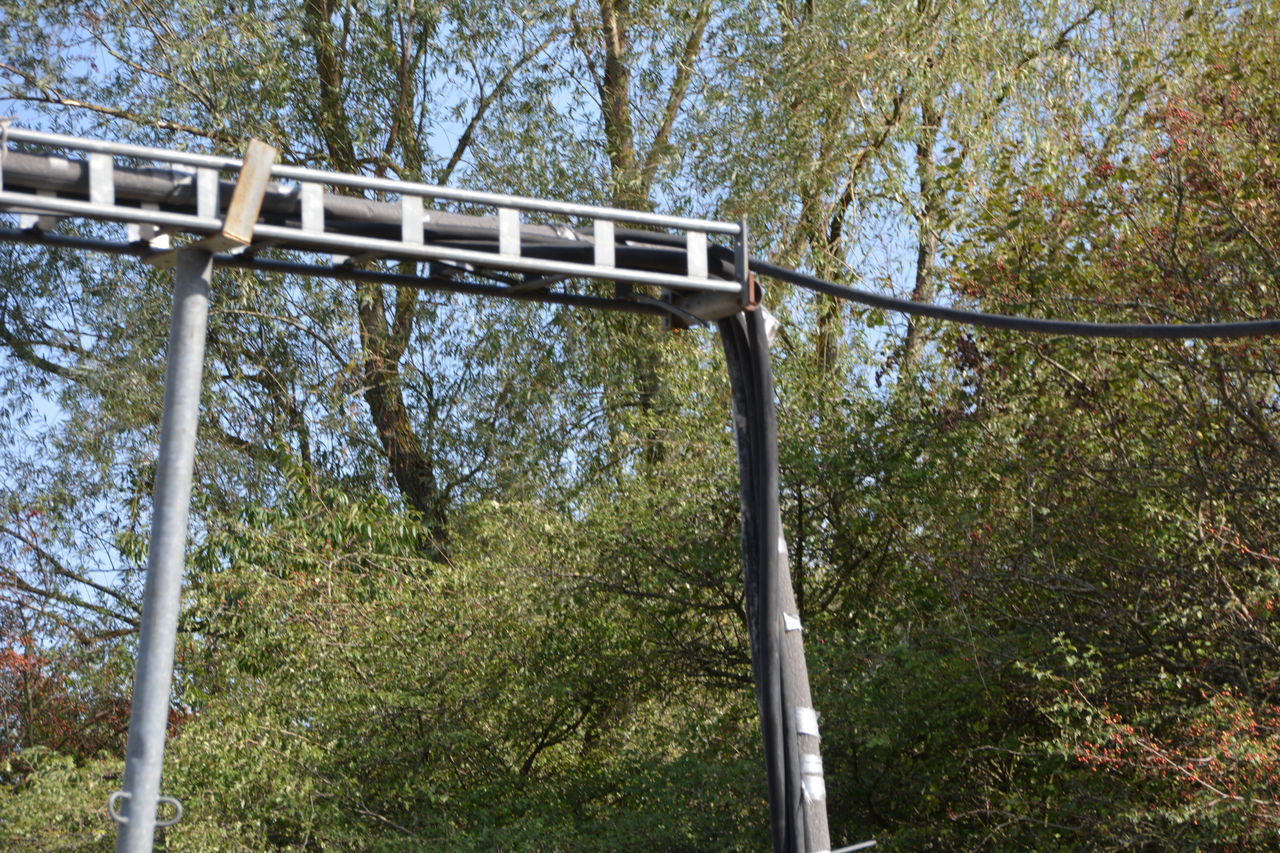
[{"x": 149, "y": 717}]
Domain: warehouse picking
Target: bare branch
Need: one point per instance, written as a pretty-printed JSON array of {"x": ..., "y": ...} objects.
[
  {"x": 675, "y": 98},
  {"x": 486, "y": 101},
  {"x": 60, "y": 569}
]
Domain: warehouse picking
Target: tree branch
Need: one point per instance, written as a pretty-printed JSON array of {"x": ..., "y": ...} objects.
[
  {"x": 675, "y": 98},
  {"x": 486, "y": 101}
]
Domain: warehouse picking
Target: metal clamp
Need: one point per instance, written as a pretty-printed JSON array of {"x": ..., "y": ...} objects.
[{"x": 117, "y": 796}]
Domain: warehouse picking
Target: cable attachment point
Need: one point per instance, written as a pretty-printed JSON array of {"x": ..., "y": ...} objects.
[{"x": 117, "y": 796}]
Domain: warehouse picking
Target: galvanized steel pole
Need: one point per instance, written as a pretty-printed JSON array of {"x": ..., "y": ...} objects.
[{"x": 135, "y": 806}]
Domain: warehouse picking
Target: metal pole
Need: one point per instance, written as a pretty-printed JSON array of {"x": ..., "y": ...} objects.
[{"x": 149, "y": 717}]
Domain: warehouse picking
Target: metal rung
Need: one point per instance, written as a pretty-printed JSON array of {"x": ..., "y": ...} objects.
[
  {"x": 606, "y": 247},
  {"x": 696, "y": 250},
  {"x": 411, "y": 219},
  {"x": 207, "y": 193},
  {"x": 312, "y": 197},
  {"x": 102, "y": 184},
  {"x": 509, "y": 232}
]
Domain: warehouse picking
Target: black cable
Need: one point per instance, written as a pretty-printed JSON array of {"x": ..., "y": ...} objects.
[
  {"x": 1163, "y": 331},
  {"x": 766, "y": 460},
  {"x": 752, "y": 401},
  {"x": 1160, "y": 331}
]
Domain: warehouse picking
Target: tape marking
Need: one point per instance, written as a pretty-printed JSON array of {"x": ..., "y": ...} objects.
[{"x": 807, "y": 722}]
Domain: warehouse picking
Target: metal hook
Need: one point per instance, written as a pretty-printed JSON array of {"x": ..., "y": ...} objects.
[{"x": 117, "y": 796}]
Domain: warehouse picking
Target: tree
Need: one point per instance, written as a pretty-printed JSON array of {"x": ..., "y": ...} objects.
[
  {"x": 1103, "y": 566},
  {"x": 315, "y": 390},
  {"x": 1035, "y": 574}
]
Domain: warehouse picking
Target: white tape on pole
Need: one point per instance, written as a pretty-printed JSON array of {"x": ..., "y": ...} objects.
[{"x": 807, "y": 722}]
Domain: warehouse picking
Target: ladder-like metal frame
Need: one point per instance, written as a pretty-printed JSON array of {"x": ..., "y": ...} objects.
[
  {"x": 313, "y": 212},
  {"x": 254, "y": 214}
]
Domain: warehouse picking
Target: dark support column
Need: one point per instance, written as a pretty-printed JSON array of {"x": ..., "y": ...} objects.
[{"x": 797, "y": 797}]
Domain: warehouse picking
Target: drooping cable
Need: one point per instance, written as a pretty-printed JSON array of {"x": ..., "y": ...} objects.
[
  {"x": 1159, "y": 331},
  {"x": 1163, "y": 331},
  {"x": 766, "y": 458}
]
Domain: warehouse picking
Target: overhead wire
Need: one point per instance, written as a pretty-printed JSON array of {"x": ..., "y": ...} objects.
[
  {"x": 1035, "y": 325},
  {"x": 1158, "y": 331}
]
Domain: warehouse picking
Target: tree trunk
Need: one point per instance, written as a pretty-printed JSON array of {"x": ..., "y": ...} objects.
[
  {"x": 927, "y": 231},
  {"x": 382, "y": 345},
  {"x": 626, "y": 189}
]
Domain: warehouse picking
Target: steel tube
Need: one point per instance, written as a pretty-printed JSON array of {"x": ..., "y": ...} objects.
[
  {"x": 115, "y": 213},
  {"x": 564, "y": 208},
  {"x": 143, "y": 152},
  {"x": 149, "y": 716}
]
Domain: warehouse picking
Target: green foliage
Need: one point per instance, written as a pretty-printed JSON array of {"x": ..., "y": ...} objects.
[
  {"x": 348, "y": 694},
  {"x": 60, "y": 805},
  {"x": 1038, "y": 577}
]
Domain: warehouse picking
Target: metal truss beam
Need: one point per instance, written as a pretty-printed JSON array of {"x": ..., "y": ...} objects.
[{"x": 354, "y": 220}]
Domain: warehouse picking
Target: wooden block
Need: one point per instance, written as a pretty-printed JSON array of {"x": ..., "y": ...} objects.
[{"x": 246, "y": 199}]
